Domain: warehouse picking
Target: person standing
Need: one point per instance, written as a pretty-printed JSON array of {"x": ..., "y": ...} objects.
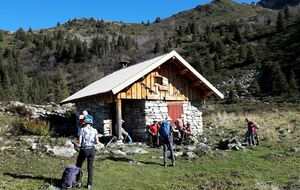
[
  {"x": 180, "y": 127},
  {"x": 88, "y": 137},
  {"x": 249, "y": 133},
  {"x": 165, "y": 132},
  {"x": 153, "y": 132}
]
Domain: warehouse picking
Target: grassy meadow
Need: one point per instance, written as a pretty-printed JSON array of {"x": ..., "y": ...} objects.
[{"x": 269, "y": 166}]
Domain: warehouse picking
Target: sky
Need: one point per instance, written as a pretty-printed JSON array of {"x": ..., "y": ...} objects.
[{"x": 39, "y": 14}]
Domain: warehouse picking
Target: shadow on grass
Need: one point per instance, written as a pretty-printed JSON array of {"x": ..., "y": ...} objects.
[
  {"x": 131, "y": 161},
  {"x": 52, "y": 181}
]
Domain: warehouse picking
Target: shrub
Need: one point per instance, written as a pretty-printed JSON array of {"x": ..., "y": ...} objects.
[
  {"x": 5, "y": 123},
  {"x": 31, "y": 127}
]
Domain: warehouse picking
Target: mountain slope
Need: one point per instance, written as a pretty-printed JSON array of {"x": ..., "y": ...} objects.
[
  {"x": 278, "y": 4},
  {"x": 223, "y": 40}
]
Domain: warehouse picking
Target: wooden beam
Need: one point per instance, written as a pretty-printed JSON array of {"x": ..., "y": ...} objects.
[
  {"x": 196, "y": 83},
  {"x": 119, "y": 117},
  {"x": 182, "y": 72}
]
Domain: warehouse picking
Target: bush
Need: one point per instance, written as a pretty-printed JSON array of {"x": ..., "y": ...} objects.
[
  {"x": 5, "y": 123},
  {"x": 31, "y": 127}
]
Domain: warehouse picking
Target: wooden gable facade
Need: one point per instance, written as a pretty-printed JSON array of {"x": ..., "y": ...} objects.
[{"x": 171, "y": 81}]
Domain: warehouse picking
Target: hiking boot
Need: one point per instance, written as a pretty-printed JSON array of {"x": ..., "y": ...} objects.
[
  {"x": 173, "y": 163},
  {"x": 89, "y": 187}
]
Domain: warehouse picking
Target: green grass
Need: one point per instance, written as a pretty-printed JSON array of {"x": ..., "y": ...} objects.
[
  {"x": 269, "y": 166},
  {"x": 259, "y": 167}
]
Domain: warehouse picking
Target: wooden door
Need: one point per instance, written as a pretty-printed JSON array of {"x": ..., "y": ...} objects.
[{"x": 175, "y": 110}]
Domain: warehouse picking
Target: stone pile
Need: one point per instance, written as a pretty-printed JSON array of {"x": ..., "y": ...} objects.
[
  {"x": 36, "y": 111},
  {"x": 233, "y": 144}
]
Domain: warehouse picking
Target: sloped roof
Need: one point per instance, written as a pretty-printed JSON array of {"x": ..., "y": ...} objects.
[{"x": 118, "y": 80}]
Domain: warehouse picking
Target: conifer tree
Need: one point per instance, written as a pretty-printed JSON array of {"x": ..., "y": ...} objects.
[
  {"x": 280, "y": 22},
  {"x": 62, "y": 90},
  {"x": 293, "y": 90},
  {"x": 287, "y": 13},
  {"x": 255, "y": 87},
  {"x": 237, "y": 34},
  {"x": 157, "y": 47},
  {"x": 280, "y": 85}
]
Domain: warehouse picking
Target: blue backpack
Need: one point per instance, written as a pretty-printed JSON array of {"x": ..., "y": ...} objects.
[
  {"x": 71, "y": 177},
  {"x": 164, "y": 130}
]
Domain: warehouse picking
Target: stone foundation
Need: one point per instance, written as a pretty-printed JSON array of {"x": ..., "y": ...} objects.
[{"x": 137, "y": 114}]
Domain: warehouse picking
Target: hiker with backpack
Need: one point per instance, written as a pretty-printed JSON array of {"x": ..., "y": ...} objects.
[
  {"x": 165, "y": 132},
  {"x": 88, "y": 137}
]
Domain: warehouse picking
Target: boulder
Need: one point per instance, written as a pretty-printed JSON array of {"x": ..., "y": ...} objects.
[
  {"x": 118, "y": 153},
  {"x": 134, "y": 150},
  {"x": 295, "y": 149},
  {"x": 61, "y": 151},
  {"x": 178, "y": 154},
  {"x": 33, "y": 146},
  {"x": 190, "y": 155}
]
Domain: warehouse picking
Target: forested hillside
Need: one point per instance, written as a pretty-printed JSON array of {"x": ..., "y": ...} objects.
[{"x": 245, "y": 50}]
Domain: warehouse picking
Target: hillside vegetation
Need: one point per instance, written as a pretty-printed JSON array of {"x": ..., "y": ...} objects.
[{"x": 245, "y": 50}]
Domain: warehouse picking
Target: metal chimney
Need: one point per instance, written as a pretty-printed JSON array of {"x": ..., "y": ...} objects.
[{"x": 123, "y": 64}]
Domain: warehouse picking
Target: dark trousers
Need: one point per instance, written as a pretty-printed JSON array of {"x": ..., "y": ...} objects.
[
  {"x": 154, "y": 140},
  {"x": 182, "y": 136},
  {"x": 89, "y": 154},
  {"x": 168, "y": 144}
]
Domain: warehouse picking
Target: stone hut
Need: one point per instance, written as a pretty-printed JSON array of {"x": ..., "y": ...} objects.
[{"x": 144, "y": 92}]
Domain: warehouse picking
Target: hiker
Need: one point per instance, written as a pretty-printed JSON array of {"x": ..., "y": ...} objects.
[
  {"x": 255, "y": 135},
  {"x": 153, "y": 134},
  {"x": 180, "y": 127},
  {"x": 189, "y": 134},
  {"x": 82, "y": 117},
  {"x": 249, "y": 133},
  {"x": 165, "y": 132},
  {"x": 88, "y": 137},
  {"x": 126, "y": 137}
]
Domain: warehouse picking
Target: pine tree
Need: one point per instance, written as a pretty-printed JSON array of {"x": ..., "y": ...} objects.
[
  {"x": 280, "y": 22},
  {"x": 251, "y": 56},
  {"x": 255, "y": 87},
  {"x": 1, "y": 36},
  {"x": 293, "y": 90},
  {"x": 242, "y": 52},
  {"x": 237, "y": 34},
  {"x": 62, "y": 90},
  {"x": 220, "y": 48},
  {"x": 280, "y": 85},
  {"x": 157, "y": 20},
  {"x": 232, "y": 97},
  {"x": 157, "y": 47},
  {"x": 287, "y": 13}
]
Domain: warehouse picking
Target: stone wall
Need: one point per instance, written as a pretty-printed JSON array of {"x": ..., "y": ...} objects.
[
  {"x": 192, "y": 113},
  {"x": 101, "y": 113},
  {"x": 137, "y": 114},
  {"x": 155, "y": 111}
]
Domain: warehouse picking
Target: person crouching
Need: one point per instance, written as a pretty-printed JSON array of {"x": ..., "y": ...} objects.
[{"x": 88, "y": 137}]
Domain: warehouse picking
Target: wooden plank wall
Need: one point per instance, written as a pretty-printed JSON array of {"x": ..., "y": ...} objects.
[{"x": 179, "y": 86}]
